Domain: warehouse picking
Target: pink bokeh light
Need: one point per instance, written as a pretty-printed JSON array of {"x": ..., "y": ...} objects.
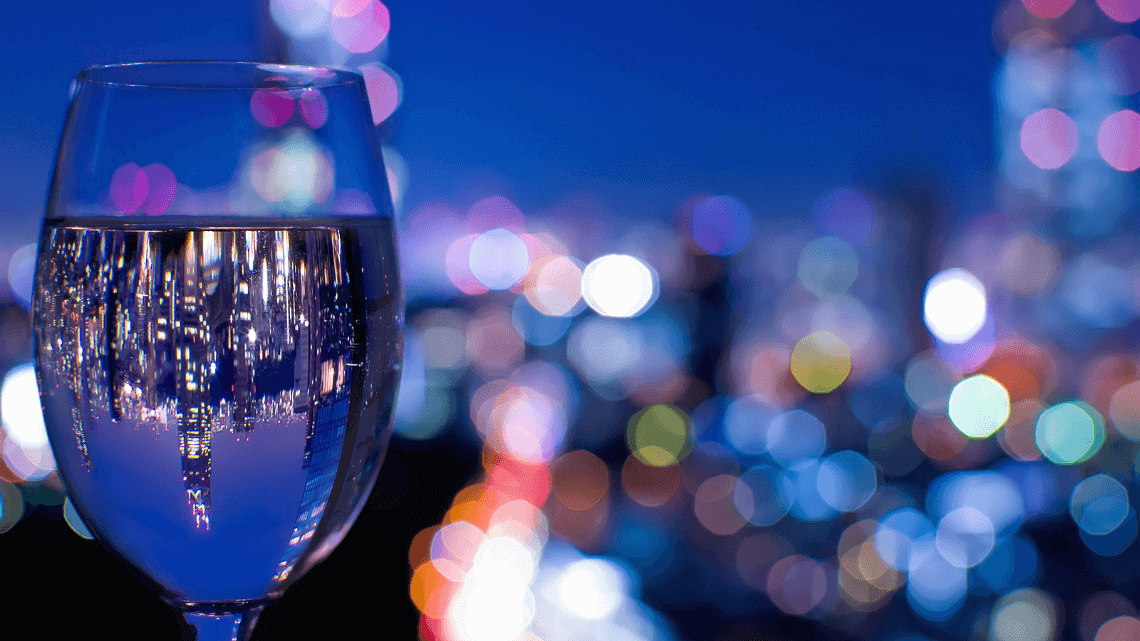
[
  {"x": 1049, "y": 138},
  {"x": 1118, "y": 140},
  {"x": 314, "y": 108},
  {"x": 457, "y": 266},
  {"x": 162, "y": 187},
  {"x": 129, "y": 188},
  {"x": 1120, "y": 10},
  {"x": 384, "y": 91},
  {"x": 271, "y": 107},
  {"x": 496, "y": 211},
  {"x": 1048, "y": 8},
  {"x": 359, "y": 25}
]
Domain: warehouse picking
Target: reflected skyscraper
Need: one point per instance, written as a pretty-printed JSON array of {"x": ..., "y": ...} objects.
[
  {"x": 327, "y": 368},
  {"x": 192, "y": 345}
]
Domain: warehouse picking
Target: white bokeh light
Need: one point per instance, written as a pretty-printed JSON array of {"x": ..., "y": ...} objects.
[
  {"x": 978, "y": 406},
  {"x": 300, "y": 18},
  {"x": 495, "y": 602},
  {"x": 20, "y": 407},
  {"x": 499, "y": 258},
  {"x": 954, "y": 305},
  {"x": 591, "y": 589},
  {"x": 26, "y": 450},
  {"x": 618, "y": 285}
]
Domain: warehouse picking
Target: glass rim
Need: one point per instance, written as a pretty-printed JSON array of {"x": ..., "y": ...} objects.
[{"x": 216, "y": 75}]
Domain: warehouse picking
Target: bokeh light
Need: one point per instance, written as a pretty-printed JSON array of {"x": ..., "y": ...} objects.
[
  {"x": 591, "y": 588},
  {"x": 1098, "y": 292},
  {"x": 1118, "y": 140},
  {"x": 1124, "y": 410},
  {"x": 618, "y": 285},
  {"x": 493, "y": 345},
  {"x": 296, "y": 174},
  {"x": 554, "y": 285},
  {"x": 1069, "y": 433},
  {"x": 1099, "y": 504},
  {"x": 458, "y": 266},
  {"x": 828, "y": 266},
  {"x": 1049, "y": 138},
  {"x": 965, "y": 537},
  {"x": 129, "y": 187},
  {"x": 763, "y": 494},
  {"x": 26, "y": 450},
  {"x": 359, "y": 25},
  {"x": 1123, "y": 628},
  {"x": 797, "y": 583},
  {"x": 994, "y": 495},
  {"x": 935, "y": 588},
  {"x": 21, "y": 274},
  {"x": 979, "y": 406},
  {"x": 847, "y": 480},
  {"x": 498, "y": 259},
  {"x": 809, "y": 504},
  {"x": 1029, "y": 264},
  {"x": 715, "y": 506},
  {"x": 162, "y": 187},
  {"x": 796, "y": 435},
  {"x": 300, "y": 18},
  {"x": 315, "y": 109},
  {"x": 659, "y": 435},
  {"x": 1120, "y": 10},
  {"x": 385, "y": 90},
  {"x": 1115, "y": 542},
  {"x": 1024, "y": 615},
  {"x": 650, "y": 485},
  {"x": 954, "y": 305},
  {"x": 580, "y": 480},
  {"x": 746, "y": 422},
  {"x": 897, "y": 533},
  {"x": 721, "y": 225},
  {"x": 1048, "y": 8},
  {"x": 271, "y": 107},
  {"x": 1100, "y": 608},
  {"x": 820, "y": 362},
  {"x": 453, "y": 548},
  {"x": 1118, "y": 61},
  {"x": 929, "y": 382},
  {"x": 604, "y": 350}
]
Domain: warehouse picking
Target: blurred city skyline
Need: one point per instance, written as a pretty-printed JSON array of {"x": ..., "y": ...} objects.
[{"x": 725, "y": 321}]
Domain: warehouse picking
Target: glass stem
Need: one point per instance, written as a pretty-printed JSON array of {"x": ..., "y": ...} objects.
[{"x": 223, "y": 626}]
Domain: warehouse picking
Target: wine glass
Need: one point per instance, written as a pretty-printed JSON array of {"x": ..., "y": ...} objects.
[{"x": 218, "y": 323}]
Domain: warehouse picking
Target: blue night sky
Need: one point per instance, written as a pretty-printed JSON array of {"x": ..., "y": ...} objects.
[{"x": 642, "y": 102}]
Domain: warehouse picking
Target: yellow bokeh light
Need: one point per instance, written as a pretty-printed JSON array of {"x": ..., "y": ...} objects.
[
  {"x": 659, "y": 435},
  {"x": 820, "y": 362}
]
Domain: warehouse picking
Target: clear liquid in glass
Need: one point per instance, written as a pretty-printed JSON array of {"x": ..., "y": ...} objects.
[{"x": 218, "y": 392}]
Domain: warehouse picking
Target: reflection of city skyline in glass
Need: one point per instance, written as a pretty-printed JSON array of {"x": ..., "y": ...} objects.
[{"x": 222, "y": 366}]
